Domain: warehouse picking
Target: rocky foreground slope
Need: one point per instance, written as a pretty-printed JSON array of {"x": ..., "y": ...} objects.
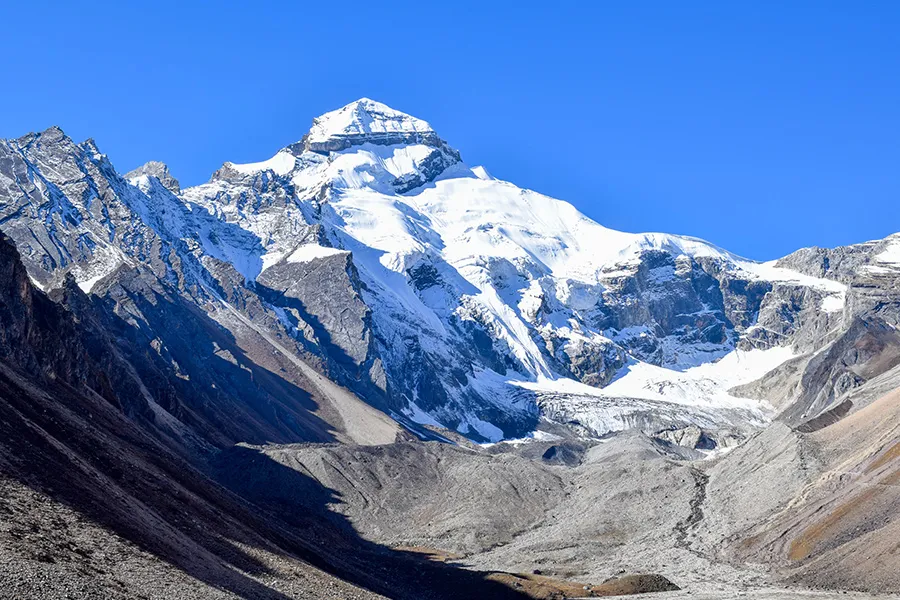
[{"x": 271, "y": 385}]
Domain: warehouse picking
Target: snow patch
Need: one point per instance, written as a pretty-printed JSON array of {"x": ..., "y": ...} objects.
[
  {"x": 417, "y": 415},
  {"x": 705, "y": 385},
  {"x": 890, "y": 255},
  {"x": 88, "y": 284},
  {"x": 312, "y": 252},
  {"x": 768, "y": 271},
  {"x": 282, "y": 164},
  {"x": 482, "y": 173},
  {"x": 834, "y": 303},
  {"x": 534, "y": 436},
  {"x": 486, "y": 430},
  {"x": 270, "y": 259}
]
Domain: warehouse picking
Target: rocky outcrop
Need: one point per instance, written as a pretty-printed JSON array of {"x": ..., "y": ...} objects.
[
  {"x": 323, "y": 293},
  {"x": 158, "y": 170}
]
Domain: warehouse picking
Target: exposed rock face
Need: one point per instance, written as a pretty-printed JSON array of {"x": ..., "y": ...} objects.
[
  {"x": 51, "y": 188},
  {"x": 324, "y": 294},
  {"x": 171, "y": 276},
  {"x": 840, "y": 351}
]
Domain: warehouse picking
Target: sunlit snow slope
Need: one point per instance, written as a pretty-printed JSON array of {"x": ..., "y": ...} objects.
[{"x": 490, "y": 302}]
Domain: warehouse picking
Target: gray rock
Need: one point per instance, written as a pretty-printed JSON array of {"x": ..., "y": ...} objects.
[{"x": 160, "y": 171}]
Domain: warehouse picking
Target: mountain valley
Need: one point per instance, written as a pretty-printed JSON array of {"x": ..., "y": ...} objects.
[{"x": 363, "y": 368}]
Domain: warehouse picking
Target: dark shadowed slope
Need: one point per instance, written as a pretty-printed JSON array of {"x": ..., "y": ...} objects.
[{"x": 94, "y": 504}]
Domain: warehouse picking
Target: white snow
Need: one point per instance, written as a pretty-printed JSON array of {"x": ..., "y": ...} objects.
[
  {"x": 88, "y": 284},
  {"x": 282, "y": 164},
  {"x": 890, "y": 255},
  {"x": 834, "y": 302},
  {"x": 106, "y": 259},
  {"x": 364, "y": 117},
  {"x": 703, "y": 385},
  {"x": 310, "y": 252},
  {"x": 481, "y": 173},
  {"x": 535, "y": 436},
  {"x": 38, "y": 284},
  {"x": 270, "y": 258},
  {"x": 876, "y": 270},
  {"x": 769, "y": 272},
  {"x": 372, "y": 166}
]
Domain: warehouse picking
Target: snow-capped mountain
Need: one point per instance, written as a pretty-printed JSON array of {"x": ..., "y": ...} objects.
[{"x": 437, "y": 293}]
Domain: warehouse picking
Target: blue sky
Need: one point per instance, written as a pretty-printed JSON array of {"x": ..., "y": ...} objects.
[{"x": 760, "y": 126}]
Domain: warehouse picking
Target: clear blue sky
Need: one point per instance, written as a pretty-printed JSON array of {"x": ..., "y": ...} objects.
[{"x": 760, "y": 126}]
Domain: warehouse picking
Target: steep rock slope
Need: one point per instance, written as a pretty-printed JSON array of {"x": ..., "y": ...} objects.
[
  {"x": 813, "y": 389},
  {"x": 91, "y": 502},
  {"x": 822, "y": 504},
  {"x": 209, "y": 356}
]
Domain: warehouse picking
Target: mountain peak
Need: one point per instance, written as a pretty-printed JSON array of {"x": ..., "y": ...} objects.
[
  {"x": 367, "y": 121},
  {"x": 157, "y": 169},
  {"x": 51, "y": 135}
]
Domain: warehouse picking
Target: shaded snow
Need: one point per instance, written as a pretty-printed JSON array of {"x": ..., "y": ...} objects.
[{"x": 417, "y": 415}]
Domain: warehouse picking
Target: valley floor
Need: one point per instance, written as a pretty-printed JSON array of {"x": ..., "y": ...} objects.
[
  {"x": 726, "y": 593},
  {"x": 566, "y": 510}
]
